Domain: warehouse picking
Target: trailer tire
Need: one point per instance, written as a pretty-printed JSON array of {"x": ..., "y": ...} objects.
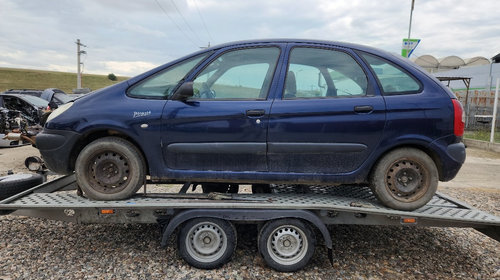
[
  {"x": 110, "y": 168},
  {"x": 206, "y": 243},
  {"x": 16, "y": 183},
  {"x": 287, "y": 244},
  {"x": 405, "y": 179}
]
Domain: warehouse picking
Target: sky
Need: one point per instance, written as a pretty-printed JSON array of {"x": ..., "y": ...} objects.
[{"x": 130, "y": 37}]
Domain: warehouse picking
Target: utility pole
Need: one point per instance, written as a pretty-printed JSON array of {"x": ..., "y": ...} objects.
[
  {"x": 79, "y": 73},
  {"x": 409, "y": 28}
]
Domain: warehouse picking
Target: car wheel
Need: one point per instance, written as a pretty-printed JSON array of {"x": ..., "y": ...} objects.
[
  {"x": 206, "y": 243},
  {"x": 286, "y": 245},
  {"x": 219, "y": 187},
  {"x": 405, "y": 179},
  {"x": 110, "y": 168}
]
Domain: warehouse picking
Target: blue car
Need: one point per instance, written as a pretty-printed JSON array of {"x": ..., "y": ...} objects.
[{"x": 265, "y": 112}]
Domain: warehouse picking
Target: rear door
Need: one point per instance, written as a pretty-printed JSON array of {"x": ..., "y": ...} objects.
[{"x": 328, "y": 118}]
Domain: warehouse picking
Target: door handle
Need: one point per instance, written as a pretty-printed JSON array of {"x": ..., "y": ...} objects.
[
  {"x": 256, "y": 113},
  {"x": 363, "y": 109}
]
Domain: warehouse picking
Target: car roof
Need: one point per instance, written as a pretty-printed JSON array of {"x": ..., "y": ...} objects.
[{"x": 291, "y": 40}]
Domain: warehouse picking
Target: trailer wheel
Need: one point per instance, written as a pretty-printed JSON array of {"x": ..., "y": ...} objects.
[
  {"x": 286, "y": 244},
  {"x": 16, "y": 183},
  {"x": 110, "y": 168},
  {"x": 207, "y": 243},
  {"x": 405, "y": 179}
]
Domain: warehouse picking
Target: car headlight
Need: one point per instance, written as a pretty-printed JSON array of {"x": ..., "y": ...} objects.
[{"x": 61, "y": 109}]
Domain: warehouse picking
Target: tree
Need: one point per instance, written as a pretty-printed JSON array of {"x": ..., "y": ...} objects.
[{"x": 112, "y": 77}]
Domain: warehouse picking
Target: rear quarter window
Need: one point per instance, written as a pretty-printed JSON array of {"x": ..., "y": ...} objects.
[{"x": 393, "y": 79}]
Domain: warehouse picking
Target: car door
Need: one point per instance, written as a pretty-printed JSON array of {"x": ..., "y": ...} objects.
[
  {"x": 223, "y": 127},
  {"x": 328, "y": 118}
]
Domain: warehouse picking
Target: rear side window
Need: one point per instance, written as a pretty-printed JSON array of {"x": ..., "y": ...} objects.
[
  {"x": 162, "y": 84},
  {"x": 391, "y": 77}
]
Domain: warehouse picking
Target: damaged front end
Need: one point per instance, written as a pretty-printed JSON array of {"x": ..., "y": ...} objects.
[{"x": 15, "y": 130}]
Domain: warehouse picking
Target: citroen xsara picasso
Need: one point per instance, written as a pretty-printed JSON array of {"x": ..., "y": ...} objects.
[{"x": 264, "y": 112}]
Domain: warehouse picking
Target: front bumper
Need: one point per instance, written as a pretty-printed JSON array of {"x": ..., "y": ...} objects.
[{"x": 55, "y": 147}]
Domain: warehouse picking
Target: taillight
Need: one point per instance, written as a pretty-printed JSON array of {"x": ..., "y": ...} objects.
[{"x": 458, "y": 122}]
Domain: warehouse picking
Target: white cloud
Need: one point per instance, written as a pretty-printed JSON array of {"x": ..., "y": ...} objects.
[{"x": 127, "y": 37}]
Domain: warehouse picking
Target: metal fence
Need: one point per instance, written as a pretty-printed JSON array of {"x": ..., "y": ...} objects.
[{"x": 478, "y": 108}]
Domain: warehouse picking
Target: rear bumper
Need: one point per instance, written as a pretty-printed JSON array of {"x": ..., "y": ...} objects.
[
  {"x": 55, "y": 147},
  {"x": 452, "y": 161}
]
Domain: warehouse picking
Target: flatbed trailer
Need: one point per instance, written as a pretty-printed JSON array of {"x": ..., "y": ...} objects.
[{"x": 287, "y": 218}]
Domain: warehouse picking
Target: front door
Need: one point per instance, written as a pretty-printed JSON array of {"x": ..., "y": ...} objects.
[
  {"x": 328, "y": 119},
  {"x": 224, "y": 126}
]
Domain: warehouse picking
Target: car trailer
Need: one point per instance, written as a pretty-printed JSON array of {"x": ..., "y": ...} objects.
[{"x": 288, "y": 218}]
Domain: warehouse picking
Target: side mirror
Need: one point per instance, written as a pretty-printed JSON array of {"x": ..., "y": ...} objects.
[{"x": 184, "y": 92}]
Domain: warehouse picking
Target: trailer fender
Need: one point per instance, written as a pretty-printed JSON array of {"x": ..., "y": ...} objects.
[{"x": 253, "y": 215}]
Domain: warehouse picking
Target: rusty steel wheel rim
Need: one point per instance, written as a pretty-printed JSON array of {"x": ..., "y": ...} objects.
[
  {"x": 407, "y": 180},
  {"x": 109, "y": 172}
]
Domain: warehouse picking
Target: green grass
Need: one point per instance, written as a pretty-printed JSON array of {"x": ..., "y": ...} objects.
[
  {"x": 37, "y": 79},
  {"x": 483, "y": 135}
]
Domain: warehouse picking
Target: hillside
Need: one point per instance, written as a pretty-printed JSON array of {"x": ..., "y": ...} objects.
[{"x": 38, "y": 79}]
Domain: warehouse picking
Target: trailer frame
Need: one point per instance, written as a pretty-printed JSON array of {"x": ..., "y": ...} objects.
[{"x": 317, "y": 206}]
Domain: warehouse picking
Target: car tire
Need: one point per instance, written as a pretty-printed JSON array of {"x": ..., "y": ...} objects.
[
  {"x": 405, "y": 179},
  {"x": 16, "y": 183},
  {"x": 110, "y": 168}
]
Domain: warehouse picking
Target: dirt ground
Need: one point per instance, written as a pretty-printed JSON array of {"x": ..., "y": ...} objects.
[{"x": 480, "y": 171}]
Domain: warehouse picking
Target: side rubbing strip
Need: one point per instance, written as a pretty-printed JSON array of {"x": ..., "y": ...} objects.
[
  {"x": 315, "y": 148},
  {"x": 219, "y": 148}
]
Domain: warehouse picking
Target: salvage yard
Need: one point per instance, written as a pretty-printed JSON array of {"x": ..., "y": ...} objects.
[{"x": 32, "y": 248}]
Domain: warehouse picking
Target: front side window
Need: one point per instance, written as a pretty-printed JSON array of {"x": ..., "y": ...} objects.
[
  {"x": 162, "y": 84},
  {"x": 322, "y": 73},
  {"x": 392, "y": 79},
  {"x": 239, "y": 74}
]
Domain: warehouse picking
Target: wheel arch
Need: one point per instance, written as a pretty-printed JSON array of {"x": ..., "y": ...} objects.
[
  {"x": 246, "y": 215},
  {"x": 93, "y": 135},
  {"x": 422, "y": 147}
]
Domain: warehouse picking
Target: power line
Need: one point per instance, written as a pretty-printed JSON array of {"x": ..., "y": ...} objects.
[
  {"x": 185, "y": 21},
  {"x": 203, "y": 21},
  {"x": 176, "y": 25}
]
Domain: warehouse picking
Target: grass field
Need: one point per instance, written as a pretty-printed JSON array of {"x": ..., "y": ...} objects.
[
  {"x": 483, "y": 135},
  {"x": 37, "y": 79}
]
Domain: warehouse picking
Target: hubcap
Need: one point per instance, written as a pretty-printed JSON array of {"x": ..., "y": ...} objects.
[
  {"x": 287, "y": 245},
  {"x": 206, "y": 242},
  {"x": 407, "y": 180}
]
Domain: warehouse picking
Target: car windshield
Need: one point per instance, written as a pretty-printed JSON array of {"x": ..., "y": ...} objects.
[{"x": 38, "y": 102}]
